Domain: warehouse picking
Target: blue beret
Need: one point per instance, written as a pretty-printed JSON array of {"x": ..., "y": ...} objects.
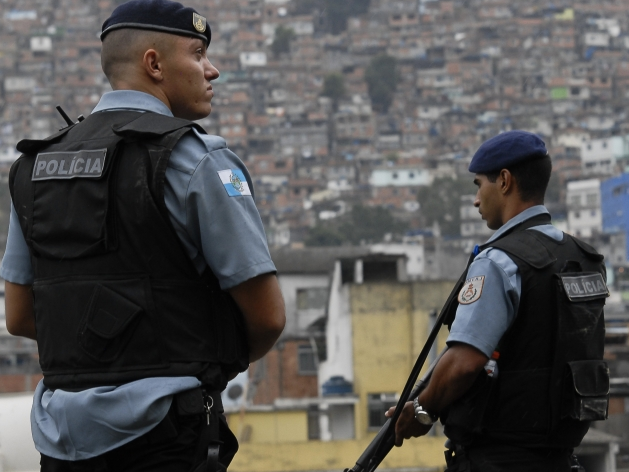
[
  {"x": 158, "y": 15},
  {"x": 505, "y": 150}
]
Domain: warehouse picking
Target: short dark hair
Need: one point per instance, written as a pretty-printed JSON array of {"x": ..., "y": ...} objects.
[
  {"x": 532, "y": 177},
  {"x": 125, "y": 46}
]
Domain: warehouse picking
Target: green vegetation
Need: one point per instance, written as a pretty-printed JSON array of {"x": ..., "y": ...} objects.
[
  {"x": 361, "y": 225},
  {"x": 441, "y": 202},
  {"x": 334, "y": 87},
  {"x": 382, "y": 79},
  {"x": 282, "y": 40}
]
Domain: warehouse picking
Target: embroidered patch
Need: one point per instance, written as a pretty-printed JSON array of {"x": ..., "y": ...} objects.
[
  {"x": 472, "y": 289},
  {"x": 199, "y": 22},
  {"x": 584, "y": 286},
  {"x": 69, "y": 165},
  {"x": 235, "y": 182}
]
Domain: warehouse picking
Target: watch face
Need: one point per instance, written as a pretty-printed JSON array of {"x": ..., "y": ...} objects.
[{"x": 424, "y": 418}]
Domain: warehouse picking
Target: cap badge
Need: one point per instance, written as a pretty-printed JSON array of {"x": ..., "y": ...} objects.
[{"x": 199, "y": 22}]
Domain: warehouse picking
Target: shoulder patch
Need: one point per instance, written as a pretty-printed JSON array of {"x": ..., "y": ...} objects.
[
  {"x": 234, "y": 182},
  {"x": 472, "y": 289}
]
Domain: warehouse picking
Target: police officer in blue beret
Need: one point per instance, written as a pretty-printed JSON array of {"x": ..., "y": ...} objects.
[
  {"x": 137, "y": 259},
  {"x": 527, "y": 328}
]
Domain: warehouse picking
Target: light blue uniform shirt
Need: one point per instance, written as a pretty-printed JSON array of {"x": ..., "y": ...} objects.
[
  {"x": 484, "y": 321},
  {"x": 217, "y": 225}
]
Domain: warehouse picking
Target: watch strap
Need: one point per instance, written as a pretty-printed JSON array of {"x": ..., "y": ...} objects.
[{"x": 419, "y": 410}]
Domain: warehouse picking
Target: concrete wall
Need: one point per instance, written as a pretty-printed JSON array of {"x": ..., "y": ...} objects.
[
  {"x": 390, "y": 323},
  {"x": 289, "y": 284},
  {"x": 17, "y": 451},
  {"x": 424, "y": 455}
]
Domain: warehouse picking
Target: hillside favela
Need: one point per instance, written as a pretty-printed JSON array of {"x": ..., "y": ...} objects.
[{"x": 357, "y": 120}]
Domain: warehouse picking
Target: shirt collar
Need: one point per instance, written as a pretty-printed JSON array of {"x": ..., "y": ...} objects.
[
  {"x": 519, "y": 218},
  {"x": 131, "y": 100}
]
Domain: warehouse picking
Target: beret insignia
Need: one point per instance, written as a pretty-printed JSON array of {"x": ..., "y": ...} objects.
[{"x": 199, "y": 22}]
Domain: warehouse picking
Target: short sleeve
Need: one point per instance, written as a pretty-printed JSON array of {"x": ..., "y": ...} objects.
[
  {"x": 16, "y": 264},
  {"x": 210, "y": 198},
  {"x": 488, "y": 301}
]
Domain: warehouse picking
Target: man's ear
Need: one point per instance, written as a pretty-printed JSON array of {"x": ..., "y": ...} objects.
[
  {"x": 152, "y": 65},
  {"x": 506, "y": 181}
]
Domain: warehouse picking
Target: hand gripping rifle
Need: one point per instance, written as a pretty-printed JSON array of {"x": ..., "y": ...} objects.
[{"x": 384, "y": 441}]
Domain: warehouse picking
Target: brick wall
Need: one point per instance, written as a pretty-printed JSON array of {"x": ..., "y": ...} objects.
[{"x": 19, "y": 382}]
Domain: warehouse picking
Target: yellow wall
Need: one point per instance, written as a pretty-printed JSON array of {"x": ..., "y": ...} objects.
[
  {"x": 271, "y": 426},
  {"x": 390, "y": 326},
  {"x": 334, "y": 456}
]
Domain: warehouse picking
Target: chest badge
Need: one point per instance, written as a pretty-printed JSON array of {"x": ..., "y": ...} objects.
[{"x": 472, "y": 290}]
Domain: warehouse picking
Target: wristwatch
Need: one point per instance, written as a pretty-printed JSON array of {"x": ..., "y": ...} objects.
[{"x": 423, "y": 416}]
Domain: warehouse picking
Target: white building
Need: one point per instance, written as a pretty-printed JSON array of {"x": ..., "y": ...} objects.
[
  {"x": 472, "y": 224},
  {"x": 599, "y": 156},
  {"x": 400, "y": 177},
  {"x": 585, "y": 217}
]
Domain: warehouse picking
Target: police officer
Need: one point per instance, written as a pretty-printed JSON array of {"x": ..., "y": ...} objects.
[
  {"x": 137, "y": 259},
  {"x": 532, "y": 301}
]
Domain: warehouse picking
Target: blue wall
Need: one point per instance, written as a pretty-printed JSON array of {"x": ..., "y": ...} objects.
[{"x": 615, "y": 206}]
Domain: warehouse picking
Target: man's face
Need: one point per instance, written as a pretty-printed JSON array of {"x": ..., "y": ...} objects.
[
  {"x": 489, "y": 200},
  {"x": 187, "y": 76}
]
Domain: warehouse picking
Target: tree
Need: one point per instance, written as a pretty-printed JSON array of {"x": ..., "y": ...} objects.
[
  {"x": 281, "y": 42},
  {"x": 361, "y": 225},
  {"x": 334, "y": 87},
  {"x": 441, "y": 202},
  {"x": 382, "y": 78},
  {"x": 324, "y": 235}
]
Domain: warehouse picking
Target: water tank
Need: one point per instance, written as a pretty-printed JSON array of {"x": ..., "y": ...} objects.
[{"x": 337, "y": 385}]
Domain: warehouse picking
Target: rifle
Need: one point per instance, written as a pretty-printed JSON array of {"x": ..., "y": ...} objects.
[
  {"x": 384, "y": 441},
  {"x": 66, "y": 118}
]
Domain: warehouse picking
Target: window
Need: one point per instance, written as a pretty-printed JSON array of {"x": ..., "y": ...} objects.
[
  {"x": 306, "y": 361},
  {"x": 377, "y": 405},
  {"x": 314, "y": 431},
  {"x": 591, "y": 199},
  {"x": 312, "y": 298}
]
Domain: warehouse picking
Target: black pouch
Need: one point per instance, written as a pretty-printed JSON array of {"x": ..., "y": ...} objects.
[
  {"x": 586, "y": 391},
  {"x": 580, "y": 385},
  {"x": 108, "y": 324}
]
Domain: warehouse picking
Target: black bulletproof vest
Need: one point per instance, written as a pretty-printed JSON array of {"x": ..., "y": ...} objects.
[
  {"x": 551, "y": 355},
  {"x": 116, "y": 297}
]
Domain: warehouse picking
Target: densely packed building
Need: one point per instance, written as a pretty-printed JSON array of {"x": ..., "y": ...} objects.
[{"x": 466, "y": 70}]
